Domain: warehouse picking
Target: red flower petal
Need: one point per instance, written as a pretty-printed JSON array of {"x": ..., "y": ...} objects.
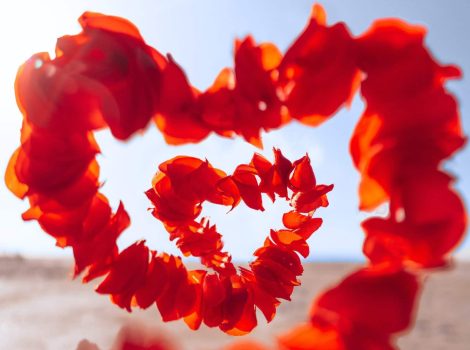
[
  {"x": 113, "y": 54},
  {"x": 257, "y": 103},
  {"x": 310, "y": 337},
  {"x": 178, "y": 118},
  {"x": 126, "y": 275},
  {"x": 318, "y": 72},
  {"x": 378, "y": 301},
  {"x": 302, "y": 179}
]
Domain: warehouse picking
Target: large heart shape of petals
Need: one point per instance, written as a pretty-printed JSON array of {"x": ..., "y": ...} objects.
[{"x": 107, "y": 76}]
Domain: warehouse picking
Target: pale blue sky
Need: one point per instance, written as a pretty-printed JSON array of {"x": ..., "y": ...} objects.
[{"x": 200, "y": 34}]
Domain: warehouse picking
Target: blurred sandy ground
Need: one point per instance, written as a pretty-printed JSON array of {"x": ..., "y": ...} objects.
[{"x": 40, "y": 308}]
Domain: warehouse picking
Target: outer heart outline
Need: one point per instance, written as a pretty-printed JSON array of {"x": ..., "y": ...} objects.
[{"x": 410, "y": 126}]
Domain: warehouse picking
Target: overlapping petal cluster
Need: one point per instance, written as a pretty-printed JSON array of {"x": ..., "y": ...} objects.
[
  {"x": 410, "y": 126},
  {"x": 96, "y": 79},
  {"x": 107, "y": 76},
  {"x": 228, "y": 297}
]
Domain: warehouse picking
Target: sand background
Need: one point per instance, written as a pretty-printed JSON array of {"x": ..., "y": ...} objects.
[{"x": 41, "y": 308}]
